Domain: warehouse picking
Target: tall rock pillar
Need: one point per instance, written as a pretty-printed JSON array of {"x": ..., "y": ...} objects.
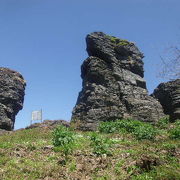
[{"x": 113, "y": 84}]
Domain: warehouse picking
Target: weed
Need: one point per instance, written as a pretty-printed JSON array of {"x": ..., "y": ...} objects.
[
  {"x": 118, "y": 166},
  {"x": 123, "y": 43},
  {"x": 174, "y": 133},
  {"x": 63, "y": 140},
  {"x": 72, "y": 166},
  {"x": 145, "y": 132},
  {"x": 144, "y": 176},
  {"x": 118, "y": 42},
  {"x": 108, "y": 127},
  {"x": 139, "y": 129},
  {"x": 163, "y": 123},
  {"x": 100, "y": 145}
]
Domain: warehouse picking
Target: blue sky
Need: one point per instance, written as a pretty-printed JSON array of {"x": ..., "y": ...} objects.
[{"x": 45, "y": 41}]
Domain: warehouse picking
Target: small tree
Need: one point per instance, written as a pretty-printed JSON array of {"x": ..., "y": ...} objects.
[{"x": 171, "y": 64}]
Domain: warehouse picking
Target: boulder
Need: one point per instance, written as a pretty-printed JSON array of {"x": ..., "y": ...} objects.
[
  {"x": 168, "y": 95},
  {"x": 12, "y": 87},
  {"x": 113, "y": 84}
]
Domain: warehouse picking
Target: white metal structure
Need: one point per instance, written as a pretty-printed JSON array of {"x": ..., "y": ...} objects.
[{"x": 36, "y": 116}]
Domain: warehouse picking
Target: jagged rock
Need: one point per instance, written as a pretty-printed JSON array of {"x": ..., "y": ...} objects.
[
  {"x": 168, "y": 95},
  {"x": 12, "y": 86},
  {"x": 49, "y": 124},
  {"x": 113, "y": 84}
]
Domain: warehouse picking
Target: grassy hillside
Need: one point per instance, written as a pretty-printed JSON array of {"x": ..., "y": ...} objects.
[{"x": 119, "y": 150}]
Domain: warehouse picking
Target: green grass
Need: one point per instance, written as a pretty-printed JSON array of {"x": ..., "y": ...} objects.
[{"x": 123, "y": 149}]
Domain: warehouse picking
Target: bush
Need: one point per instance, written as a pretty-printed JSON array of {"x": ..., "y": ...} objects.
[
  {"x": 63, "y": 139},
  {"x": 163, "y": 123},
  {"x": 139, "y": 129},
  {"x": 100, "y": 145},
  {"x": 174, "y": 133},
  {"x": 108, "y": 127},
  {"x": 145, "y": 132}
]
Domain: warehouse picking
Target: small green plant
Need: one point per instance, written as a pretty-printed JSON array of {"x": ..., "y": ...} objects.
[
  {"x": 72, "y": 166},
  {"x": 113, "y": 39},
  {"x": 177, "y": 123},
  {"x": 63, "y": 139},
  {"x": 145, "y": 132},
  {"x": 163, "y": 122},
  {"x": 100, "y": 145},
  {"x": 118, "y": 166},
  {"x": 123, "y": 42},
  {"x": 117, "y": 41},
  {"x": 108, "y": 127},
  {"x": 175, "y": 133},
  {"x": 143, "y": 176},
  {"x": 139, "y": 129}
]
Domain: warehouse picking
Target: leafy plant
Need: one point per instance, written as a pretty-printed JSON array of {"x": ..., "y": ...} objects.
[
  {"x": 123, "y": 43},
  {"x": 145, "y": 132},
  {"x": 139, "y": 129},
  {"x": 117, "y": 41},
  {"x": 163, "y": 123},
  {"x": 63, "y": 139},
  {"x": 174, "y": 133},
  {"x": 108, "y": 127},
  {"x": 100, "y": 145}
]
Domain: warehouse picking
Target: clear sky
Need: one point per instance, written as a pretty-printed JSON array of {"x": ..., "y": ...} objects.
[{"x": 45, "y": 41}]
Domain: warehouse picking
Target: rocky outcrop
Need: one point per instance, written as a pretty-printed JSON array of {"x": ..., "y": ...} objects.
[
  {"x": 50, "y": 124},
  {"x": 113, "y": 84},
  {"x": 168, "y": 95},
  {"x": 12, "y": 86}
]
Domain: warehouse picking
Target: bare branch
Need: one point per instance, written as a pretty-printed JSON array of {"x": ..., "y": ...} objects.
[{"x": 171, "y": 65}]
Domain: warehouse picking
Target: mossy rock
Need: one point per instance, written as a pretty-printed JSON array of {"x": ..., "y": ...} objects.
[{"x": 119, "y": 42}]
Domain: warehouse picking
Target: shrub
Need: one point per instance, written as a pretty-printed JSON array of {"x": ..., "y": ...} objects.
[
  {"x": 163, "y": 123},
  {"x": 108, "y": 127},
  {"x": 145, "y": 132},
  {"x": 175, "y": 133},
  {"x": 100, "y": 145},
  {"x": 177, "y": 123},
  {"x": 63, "y": 139},
  {"x": 139, "y": 129}
]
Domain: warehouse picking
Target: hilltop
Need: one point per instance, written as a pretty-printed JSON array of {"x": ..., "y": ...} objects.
[{"x": 138, "y": 151}]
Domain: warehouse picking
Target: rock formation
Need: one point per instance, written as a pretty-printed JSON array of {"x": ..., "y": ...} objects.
[
  {"x": 50, "y": 124},
  {"x": 12, "y": 86},
  {"x": 168, "y": 95},
  {"x": 113, "y": 84}
]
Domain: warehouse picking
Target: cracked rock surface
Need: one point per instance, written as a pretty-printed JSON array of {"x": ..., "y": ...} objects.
[
  {"x": 113, "y": 86},
  {"x": 168, "y": 95},
  {"x": 12, "y": 87}
]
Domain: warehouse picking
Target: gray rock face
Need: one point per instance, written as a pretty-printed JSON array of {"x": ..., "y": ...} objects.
[
  {"x": 168, "y": 95},
  {"x": 113, "y": 84},
  {"x": 12, "y": 86}
]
